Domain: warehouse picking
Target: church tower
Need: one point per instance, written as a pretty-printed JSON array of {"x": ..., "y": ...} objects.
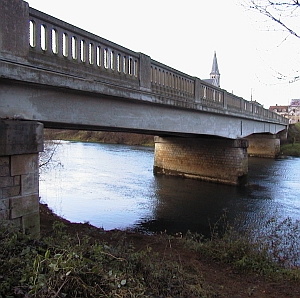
[{"x": 215, "y": 74}]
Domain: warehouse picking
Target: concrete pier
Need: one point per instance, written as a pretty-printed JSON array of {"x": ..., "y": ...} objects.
[
  {"x": 208, "y": 159},
  {"x": 20, "y": 143}
]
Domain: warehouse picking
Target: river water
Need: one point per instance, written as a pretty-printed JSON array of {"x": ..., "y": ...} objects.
[{"x": 112, "y": 186}]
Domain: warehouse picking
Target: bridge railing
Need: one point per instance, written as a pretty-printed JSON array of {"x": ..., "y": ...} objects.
[
  {"x": 169, "y": 82},
  {"x": 54, "y": 42},
  {"x": 210, "y": 96}
]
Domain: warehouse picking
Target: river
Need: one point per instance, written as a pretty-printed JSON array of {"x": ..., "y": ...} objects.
[{"x": 113, "y": 186}]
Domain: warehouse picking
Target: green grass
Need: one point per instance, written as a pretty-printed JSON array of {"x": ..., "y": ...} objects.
[{"x": 290, "y": 149}]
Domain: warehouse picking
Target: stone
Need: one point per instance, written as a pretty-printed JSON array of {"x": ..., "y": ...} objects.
[
  {"x": 21, "y": 206},
  {"x": 11, "y": 191},
  {"x": 20, "y": 137},
  {"x": 31, "y": 224},
  {"x": 209, "y": 159},
  {"x": 24, "y": 164},
  {"x": 14, "y": 35},
  {"x": 30, "y": 183},
  {"x": 6, "y": 182}
]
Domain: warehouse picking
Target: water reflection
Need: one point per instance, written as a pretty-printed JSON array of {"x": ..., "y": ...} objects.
[{"x": 112, "y": 186}]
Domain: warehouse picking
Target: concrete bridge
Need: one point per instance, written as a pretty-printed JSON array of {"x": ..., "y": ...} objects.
[{"x": 55, "y": 75}]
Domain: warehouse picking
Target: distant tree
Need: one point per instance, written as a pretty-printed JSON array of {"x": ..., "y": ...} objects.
[{"x": 286, "y": 14}]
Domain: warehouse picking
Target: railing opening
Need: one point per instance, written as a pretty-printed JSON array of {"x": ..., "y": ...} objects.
[
  {"x": 82, "y": 51},
  {"x": 43, "y": 38},
  {"x": 124, "y": 64},
  {"x": 112, "y": 60},
  {"x": 98, "y": 56},
  {"x": 54, "y": 37},
  {"x": 32, "y": 34},
  {"x": 74, "y": 48},
  {"x": 91, "y": 53},
  {"x": 130, "y": 66},
  {"x": 65, "y": 44},
  {"x": 105, "y": 57},
  {"x": 119, "y": 63}
]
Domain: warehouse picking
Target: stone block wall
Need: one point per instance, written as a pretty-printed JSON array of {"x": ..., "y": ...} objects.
[
  {"x": 263, "y": 145},
  {"x": 19, "y": 174},
  {"x": 212, "y": 159}
]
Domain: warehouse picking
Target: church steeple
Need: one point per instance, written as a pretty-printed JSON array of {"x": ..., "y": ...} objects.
[{"x": 215, "y": 74}]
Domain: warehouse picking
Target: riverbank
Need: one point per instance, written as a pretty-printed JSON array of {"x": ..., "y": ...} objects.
[
  {"x": 292, "y": 147},
  {"x": 79, "y": 260},
  {"x": 99, "y": 137}
]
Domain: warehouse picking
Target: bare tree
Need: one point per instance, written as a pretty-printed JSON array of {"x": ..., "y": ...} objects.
[
  {"x": 46, "y": 157},
  {"x": 279, "y": 12},
  {"x": 284, "y": 15}
]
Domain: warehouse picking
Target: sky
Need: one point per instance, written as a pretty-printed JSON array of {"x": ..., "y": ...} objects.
[{"x": 251, "y": 51}]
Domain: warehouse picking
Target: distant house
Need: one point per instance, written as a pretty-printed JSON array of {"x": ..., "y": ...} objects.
[{"x": 292, "y": 112}]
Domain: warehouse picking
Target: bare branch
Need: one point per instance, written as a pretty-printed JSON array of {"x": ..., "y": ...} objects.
[{"x": 280, "y": 9}]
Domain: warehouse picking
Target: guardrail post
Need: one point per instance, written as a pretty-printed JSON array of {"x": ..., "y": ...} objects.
[
  {"x": 197, "y": 90},
  {"x": 225, "y": 102},
  {"x": 14, "y": 28},
  {"x": 145, "y": 72}
]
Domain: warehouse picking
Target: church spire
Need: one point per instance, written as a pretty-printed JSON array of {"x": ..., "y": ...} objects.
[{"x": 215, "y": 74}]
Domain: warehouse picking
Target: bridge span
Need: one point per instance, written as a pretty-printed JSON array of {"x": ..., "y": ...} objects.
[{"x": 55, "y": 75}]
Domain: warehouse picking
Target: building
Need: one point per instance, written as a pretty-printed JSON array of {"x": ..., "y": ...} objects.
[
  {"x": 281, "y": 110},
  {"x": 214, "y": 74},
  {"x": 292, "y": 111}
]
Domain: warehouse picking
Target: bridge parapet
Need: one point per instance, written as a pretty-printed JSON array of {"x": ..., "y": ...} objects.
[
  {"x": 171, "y": 82},
  {"x": 59, "y": 45}
]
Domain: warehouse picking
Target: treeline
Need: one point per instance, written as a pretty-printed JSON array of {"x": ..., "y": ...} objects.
[{"x": 99, "y": 137}]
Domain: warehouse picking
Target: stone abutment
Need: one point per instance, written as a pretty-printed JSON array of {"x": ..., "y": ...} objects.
[{"x": 20, "y": 144}]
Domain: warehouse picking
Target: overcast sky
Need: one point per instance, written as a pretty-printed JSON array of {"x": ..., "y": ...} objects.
[{"x": 184, "y": 35}]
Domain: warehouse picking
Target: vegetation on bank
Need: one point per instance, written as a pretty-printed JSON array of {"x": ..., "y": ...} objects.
[
  {"x": 100, "y": 137},
  {"x": 95, "y": 263},
  {"x": 292, "y": 147}
]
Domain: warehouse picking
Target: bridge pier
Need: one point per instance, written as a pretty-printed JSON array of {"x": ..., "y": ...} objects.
[
  {"x": 20, "y": 143},
  {"x": 263, "y": 145},
  {"x": 208, "y": 159}
]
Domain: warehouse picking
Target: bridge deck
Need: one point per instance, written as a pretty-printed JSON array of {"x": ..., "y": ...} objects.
[{"x": 64, "y": 76}]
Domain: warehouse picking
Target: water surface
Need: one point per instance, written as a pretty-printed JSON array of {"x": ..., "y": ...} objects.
[{"x": 113, "y": 186}]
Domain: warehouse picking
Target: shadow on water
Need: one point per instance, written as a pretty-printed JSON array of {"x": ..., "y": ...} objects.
[{"x": 183, "y": 204}]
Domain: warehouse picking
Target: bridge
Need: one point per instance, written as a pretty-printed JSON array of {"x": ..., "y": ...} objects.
[{"x": 55, "y": 75}]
